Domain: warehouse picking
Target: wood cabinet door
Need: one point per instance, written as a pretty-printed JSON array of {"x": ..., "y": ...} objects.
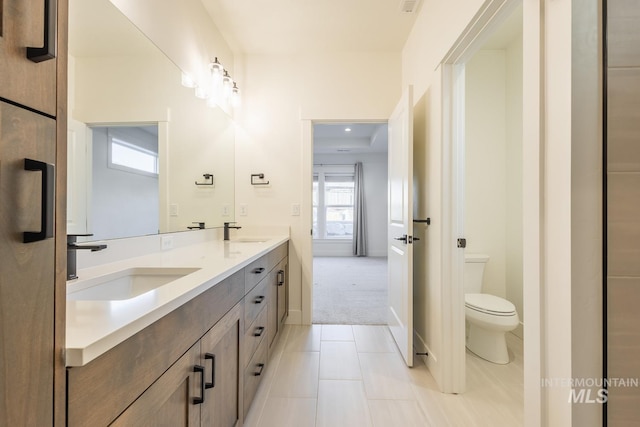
[
  {"x": 27, "y": 272},
  {"x": 220, "y": 354},
  {"x": 170, "y": 400},
  {"x": 29, "y": 83}
]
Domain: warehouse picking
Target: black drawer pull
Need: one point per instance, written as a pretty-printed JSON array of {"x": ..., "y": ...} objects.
[
  {"x": 47, "y": 203},
  {"x": 212, "y": 357},
  {"x": 280, "y": 277},
  {"x": 259, "y": 299},
  {"x": 258, "y": 270},
  {"x": 48, "y": 50},
  {"x": 259, "y": 331},
  {"x": 260, "y": 369},
  {"x": 199, "y": 400}
]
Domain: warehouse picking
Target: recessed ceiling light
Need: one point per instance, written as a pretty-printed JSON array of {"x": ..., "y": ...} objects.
[{"x": 347, "y": 129}]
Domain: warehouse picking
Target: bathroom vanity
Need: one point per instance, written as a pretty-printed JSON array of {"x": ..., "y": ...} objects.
[{"x": 188, "y": 352}]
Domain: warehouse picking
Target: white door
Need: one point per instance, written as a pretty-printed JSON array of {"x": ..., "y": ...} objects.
[{"x": 400, "y": 225}]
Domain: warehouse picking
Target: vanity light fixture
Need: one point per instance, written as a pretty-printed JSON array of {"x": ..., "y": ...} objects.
[
  {"x": 217, "y": 70},
  {"x": 235, "y": 95},
  {"x": 227, "y": 84}
]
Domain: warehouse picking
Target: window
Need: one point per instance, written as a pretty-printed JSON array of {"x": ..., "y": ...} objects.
[
  {"x": 333, "y": 205},
  {"x": 129, "y": 157}
]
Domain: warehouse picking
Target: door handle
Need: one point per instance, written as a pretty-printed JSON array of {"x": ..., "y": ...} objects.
[
  {"x": 402, "y": 239},
  {"x": 48, "y": 50},
  {"x": 260, "y": 369},
  {"x": 258, "y": 270},
  {"x": 212, "y": 357},
  {"x": 199, "y": 400},
  {"x": 280, "y": 277},
  {"x": 47, "y": 203}
]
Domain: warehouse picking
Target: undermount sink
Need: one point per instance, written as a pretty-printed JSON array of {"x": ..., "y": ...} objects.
[
  {"x": 249, "y": 240},
  {"x": 125, "y": 284}
]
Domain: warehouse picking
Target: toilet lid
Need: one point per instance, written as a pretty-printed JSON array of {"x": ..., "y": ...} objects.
[{"x": 489, "y": 303}]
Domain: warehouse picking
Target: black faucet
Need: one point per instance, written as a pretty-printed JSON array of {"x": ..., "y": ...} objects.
[
  {"x": 227, "y": 226},
  {"x": 200, "y": 226},
  {"x": 72, "y": 247}
]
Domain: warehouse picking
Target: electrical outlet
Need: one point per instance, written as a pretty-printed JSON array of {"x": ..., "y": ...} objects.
[
  {"x": 295, "y": 209},
  {"x": 244, "y": 209},
  {"x": 226, "y": 209},
  {"x": 173, "y": 209},
  {"x": 166, "y": 242}
]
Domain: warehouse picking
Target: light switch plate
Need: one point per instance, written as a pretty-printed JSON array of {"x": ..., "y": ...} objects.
[
  {"x": 226, "y": 209},
  {"x": 173, "y": 209},
  {"x": 244, "y": 209},
  {"x": 295, "y": 209}
]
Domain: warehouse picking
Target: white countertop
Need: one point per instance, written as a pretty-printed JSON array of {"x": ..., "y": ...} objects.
[{"x": 94, "y": 327}]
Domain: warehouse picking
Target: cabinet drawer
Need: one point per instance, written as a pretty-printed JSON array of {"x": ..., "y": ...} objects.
[
  {"x": 254, "y": 334},
  {"x": 254, "y": 302},
  {"x": 258, "y": 269},
  {"x": 255, "y": 272},
  {"x": 253, "y": 374}
]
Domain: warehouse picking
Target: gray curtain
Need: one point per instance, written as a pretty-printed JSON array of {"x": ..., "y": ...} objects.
[{"x": 359, "y": 219}]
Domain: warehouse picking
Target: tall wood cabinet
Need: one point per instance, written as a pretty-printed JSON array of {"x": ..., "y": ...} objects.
[{"x": 32, "y": 211}]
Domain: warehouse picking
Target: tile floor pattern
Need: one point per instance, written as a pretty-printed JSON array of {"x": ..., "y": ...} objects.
[{"x": 353, "y": 376}]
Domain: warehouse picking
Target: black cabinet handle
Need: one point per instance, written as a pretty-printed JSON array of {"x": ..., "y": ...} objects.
[
  {"x": 259, "y": 299},
  {"x": 280, "y": 277},
  {"x": 199, "y": 400},
  {"x": 259, "y": 331},
  {"x": 47, "y": 204},
  {"x": 212, "y": 357},
  {"x": 258, "y": 270},
  {"x": 48, "y": 50},
  {"x": 260, "y": 369}
]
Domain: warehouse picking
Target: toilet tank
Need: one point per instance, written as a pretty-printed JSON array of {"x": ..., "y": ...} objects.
[{"x": 473, "y": 272}]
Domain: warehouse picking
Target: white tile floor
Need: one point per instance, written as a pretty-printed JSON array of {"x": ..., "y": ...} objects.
[{"x": 352, "y": 376}]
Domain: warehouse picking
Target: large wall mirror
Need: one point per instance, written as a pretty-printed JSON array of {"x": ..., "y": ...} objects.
[{"x": 145, "y": 155}]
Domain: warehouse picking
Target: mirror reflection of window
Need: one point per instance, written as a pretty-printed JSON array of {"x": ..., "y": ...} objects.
[{"x": 129, "y": 156}]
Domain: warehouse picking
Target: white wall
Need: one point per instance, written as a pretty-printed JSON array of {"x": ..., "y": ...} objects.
[
  {"x": 280, "y": 94},
  {"x": 513, "y": 260},
  {"x": 374, "y": 167},
  {"x": 493, "y": 205},
  {"x": 486, "y": 165}
]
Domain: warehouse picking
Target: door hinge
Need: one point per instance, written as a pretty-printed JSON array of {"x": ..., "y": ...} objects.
[{"x": 462, "y": 243}]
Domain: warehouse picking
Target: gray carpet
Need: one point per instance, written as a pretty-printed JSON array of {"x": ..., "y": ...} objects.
[{"x": 350, "y": 290}]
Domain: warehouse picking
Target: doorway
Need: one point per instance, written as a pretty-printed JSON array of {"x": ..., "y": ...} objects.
[
  {"x": 492, "y": 207},
  {"x": 349, "y": 205}
]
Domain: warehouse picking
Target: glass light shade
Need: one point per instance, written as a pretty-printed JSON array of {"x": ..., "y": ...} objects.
[
  {"x": 227, "y": 85},
  {"x": 187, "y": 81},
  {"x": 235, "y": 96},
  {"x": 201, "y": 93},
  {"x": 217, "y": 70}
]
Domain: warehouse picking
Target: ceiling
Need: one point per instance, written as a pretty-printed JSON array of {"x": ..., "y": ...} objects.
[
  {"x": 361, "y": 138},
  {"x": 303, "y": 26}
]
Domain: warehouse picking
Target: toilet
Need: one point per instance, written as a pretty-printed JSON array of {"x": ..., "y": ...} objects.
[{"x": 488, "y": 317}]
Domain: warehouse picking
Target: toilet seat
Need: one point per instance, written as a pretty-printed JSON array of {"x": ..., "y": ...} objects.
[{"x": 489, "y": 304}]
